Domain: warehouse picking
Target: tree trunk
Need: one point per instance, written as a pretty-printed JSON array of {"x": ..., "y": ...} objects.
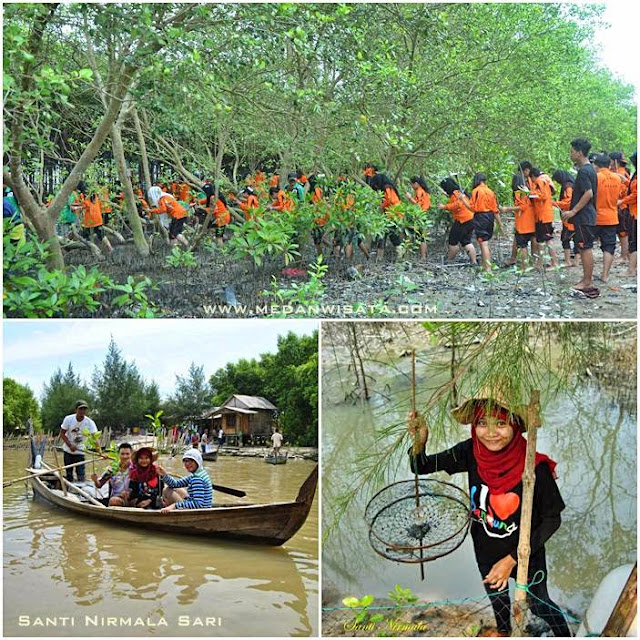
[
  {"x": 144, "y": 158},
  {"x": 133, "y": 218},
  {"x": 528, "y": 484}
]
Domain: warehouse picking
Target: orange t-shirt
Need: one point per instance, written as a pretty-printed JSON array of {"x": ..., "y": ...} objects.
[
  {"x": 564, "y": 204},
  {"x": 542, "y": 205},
  {"x": 221, "y": 215},
  {"x": 322, "y": 207},
  {"x": 391, "y": 199},
  {"x": 483, "y": 200},
  {"x": 525, "y": 215},
  {"x": 458, "y": 208},
  {"x": 168, "y": 204},
  {"x": 249, "y": 207},
  {"x": 631, "y": 199},
  {"x": 274, "y": 180},
  {"x": 92, "y": 213},
  {"x": 607, "y": 198},
  {"x": 282, "y": 202},
  {"x": 423, "y": 198}
]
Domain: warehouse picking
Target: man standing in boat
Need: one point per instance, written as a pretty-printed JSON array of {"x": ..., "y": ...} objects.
[
  {"x": 276, "y": 438},
  {"x": 74, "y": 430}
]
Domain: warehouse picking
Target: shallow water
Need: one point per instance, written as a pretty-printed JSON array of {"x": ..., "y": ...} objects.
[
  {"x": 592, "y": 436},
  {"x": 58, "y": 565}
]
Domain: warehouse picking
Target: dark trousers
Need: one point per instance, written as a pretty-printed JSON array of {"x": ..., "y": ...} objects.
[
  {"x": 71, "y": 458},
  {"x": 540, "y": 604}
]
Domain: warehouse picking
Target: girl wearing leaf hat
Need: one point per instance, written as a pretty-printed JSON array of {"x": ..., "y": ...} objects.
[{"x": 494, "y": 459}]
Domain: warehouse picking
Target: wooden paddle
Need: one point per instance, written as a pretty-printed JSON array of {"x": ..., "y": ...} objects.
[{"x": 231, "y": 492}]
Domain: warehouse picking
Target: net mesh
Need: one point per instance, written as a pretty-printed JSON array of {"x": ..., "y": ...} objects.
[{"x": 414, "y": 524}]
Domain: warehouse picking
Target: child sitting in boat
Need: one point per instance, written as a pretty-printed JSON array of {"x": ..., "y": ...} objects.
[
  {"x": 144, "y": 481},
  {"x": 191, "y": 492}
]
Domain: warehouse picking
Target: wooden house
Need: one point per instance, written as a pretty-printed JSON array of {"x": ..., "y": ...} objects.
[{"x": 244, "y": 420}]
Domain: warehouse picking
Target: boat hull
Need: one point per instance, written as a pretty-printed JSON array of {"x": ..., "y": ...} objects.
[{"x": 269, "y": 524}]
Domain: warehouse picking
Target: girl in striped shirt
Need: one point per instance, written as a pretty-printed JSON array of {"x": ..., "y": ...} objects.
[{"x": 191, "y": 492}]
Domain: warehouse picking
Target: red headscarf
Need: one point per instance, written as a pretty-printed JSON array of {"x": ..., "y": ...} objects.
[
  {"x": 143, "y": 474},
  {"x": 502, "y": 470}
]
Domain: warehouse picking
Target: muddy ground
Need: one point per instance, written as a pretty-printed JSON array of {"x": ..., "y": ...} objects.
[
  {"x": 392, "y": 288},
  {"x": 464, "y": 620}
]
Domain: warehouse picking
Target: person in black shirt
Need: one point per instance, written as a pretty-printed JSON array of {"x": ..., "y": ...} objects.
[
  {"x": 494, "y": 459},
  {"x": 583, "y": 210}
]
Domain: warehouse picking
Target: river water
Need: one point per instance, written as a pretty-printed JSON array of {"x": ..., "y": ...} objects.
[
  {"x": 592, "y": 436},
  {"x": 59, "y": 565}
]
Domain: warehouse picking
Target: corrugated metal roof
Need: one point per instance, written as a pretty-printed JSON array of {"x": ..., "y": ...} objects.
[
  {"x": 250, "y": 402},
  {"x": 239, "y": 410}
]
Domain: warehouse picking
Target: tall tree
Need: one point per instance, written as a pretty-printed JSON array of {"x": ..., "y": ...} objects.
[
  {"x": 18, "y": 405},
  {"x": 60, "y": 395},
  {"x": 120, "y": 391},
  {"x": 192, "y": 395}
]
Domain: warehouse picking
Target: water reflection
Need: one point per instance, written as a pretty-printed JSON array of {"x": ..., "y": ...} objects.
[
  {"x": 592, "y": 436},
  {"x": 80, "y": 567}
]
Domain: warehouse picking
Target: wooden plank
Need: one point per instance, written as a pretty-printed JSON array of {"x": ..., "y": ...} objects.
[{"x": 625, "y": 611}]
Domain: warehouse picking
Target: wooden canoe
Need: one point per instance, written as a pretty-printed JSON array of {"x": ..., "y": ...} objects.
[
  {"x": 279, "y": 459},
  {"x": 211, "y": 456},
  {"x": 270, "y": 524}
]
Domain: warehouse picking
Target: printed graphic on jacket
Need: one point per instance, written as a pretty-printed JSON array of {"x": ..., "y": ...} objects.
[{"x": 494, "y": 510}]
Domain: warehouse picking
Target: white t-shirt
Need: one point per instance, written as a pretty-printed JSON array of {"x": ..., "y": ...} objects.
[
  {"x": 75, "y": 430},
  {"x": 276, "y": 438}
]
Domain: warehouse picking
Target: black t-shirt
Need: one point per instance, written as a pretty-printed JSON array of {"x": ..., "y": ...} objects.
[
  {"x": 585, "y": 180},
  {"x": 495, "y": 526}
]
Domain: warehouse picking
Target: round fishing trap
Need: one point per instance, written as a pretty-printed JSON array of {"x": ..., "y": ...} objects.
[{"x": 416, "y": 521}]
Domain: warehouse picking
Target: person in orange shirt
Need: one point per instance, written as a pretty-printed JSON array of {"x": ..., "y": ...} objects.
[
  {"x": 248, "y": 202},
  {"x": 619, "y": 166},
  {"x": 105, "y": 203},
  {"x": 316, "y": 196},
  {"x": 370, "y": 170},
  {"x": 391, "y": 198},
  {"x": 91, "y": 211},
  {"x": 484, "y": 205},
  {"x": 630, "y": 200},
  {"x": 422, "y": 198},
  {"x": 609, "y": 185},
  {"x": 344, "y": 201},
  {"x": 462, "y": 229},
  {"x": 542, "y": 199},
  {"x": 281, "y": 200},
  {"x": 525, "y": 225},
  {"x": 164, "y": 203},
  {"x": 274, "y": 181},
  {"x": 221, "y": 214},
  {"x": 567, "y": 236}
]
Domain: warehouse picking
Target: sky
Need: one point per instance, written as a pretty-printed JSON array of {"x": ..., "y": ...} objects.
[
  {"x": 34, "y": 349},
  {"x": 619, "y": 41}
]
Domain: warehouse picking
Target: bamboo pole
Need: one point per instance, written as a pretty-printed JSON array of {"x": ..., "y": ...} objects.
[
  {"x": 59, "y": 472},
  {"x": 41, "y": 473},
  {"x": 73, "y": 487},
  {"x": 528, "y": 484},
  {"x": 625, "y": 611}
]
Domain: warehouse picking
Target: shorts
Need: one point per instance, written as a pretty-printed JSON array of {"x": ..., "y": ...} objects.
[
  {"x": 378, "y": 243},
  {"x": 85, "y": 232},
  {"x": 633, "y": 235},
  {"x": 584, "y": 235},
  {"x": 544, "y": 231},
  {"x": 566, "y": 236},
  {"x": 175, "y": 228},
  {"x": 353, "y": 237},
  {"x": 317, "y": 234},
  {"x": 625, "y": 220},
  {"x": 483, "y": 225},
  {"x": 523, "y": 239},
  {"x": 461, "y": 233},
  {"x": 607, "y": 235}
]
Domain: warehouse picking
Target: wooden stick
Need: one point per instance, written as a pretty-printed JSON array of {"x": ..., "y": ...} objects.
[
  {"x": 415, "y": 475},
  {"x": 62, "y": 480},
  {"x": 625, "y": 611},
  {"x": 82, "y": 492},
  {"x": 528, "y": 484},
  {"x": 41, "y": 473}
]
